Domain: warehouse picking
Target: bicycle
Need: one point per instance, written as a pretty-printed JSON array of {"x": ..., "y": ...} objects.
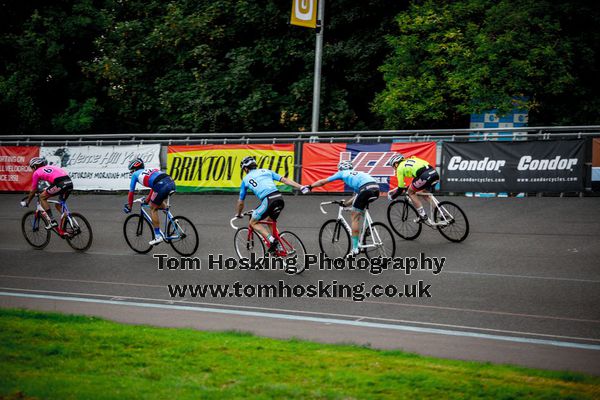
[
  {"x": 179, "y": 231},
  {"x": 73, "y": 227},
  {"x": 247, "y": 242},
  {"x": 375, "y": 239},
  {"x": 448, "y": 218}
]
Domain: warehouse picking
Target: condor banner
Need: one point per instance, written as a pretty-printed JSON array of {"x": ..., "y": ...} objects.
[
  {"x": 15, "y": 174},
  {"x": 320, "y": 160},
  {"x": 101, "y": 167},
  {"x": 217, "y": 167},
  {"x": 537, "y": 166}
]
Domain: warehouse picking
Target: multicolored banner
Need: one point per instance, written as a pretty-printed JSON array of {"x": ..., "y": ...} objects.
[
  {"x": 217, "y": 167},
  {"x": 320, "y": 160},
  {"x": 101, "y": 167},
  {"x": 15, "y": 174}
]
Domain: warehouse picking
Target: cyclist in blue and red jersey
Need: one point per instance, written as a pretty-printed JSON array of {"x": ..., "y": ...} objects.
[
  {"x": 160, "y": 184},
  {"x": 261, "y": 182},
  {"x": 366, "y": 190}
]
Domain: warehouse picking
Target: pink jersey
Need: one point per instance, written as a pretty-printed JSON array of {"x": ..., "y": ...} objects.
[{"x": 47, "y": 173}]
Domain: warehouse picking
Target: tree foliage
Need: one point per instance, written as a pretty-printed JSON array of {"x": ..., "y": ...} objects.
[
  {"x": 454, "y": 58},
  {"x": 79, "y": 66}
]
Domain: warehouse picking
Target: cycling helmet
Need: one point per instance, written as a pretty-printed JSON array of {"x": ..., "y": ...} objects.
[
  {"x": 345, "y": 165},
  {"x": 248, "y": 162},
  {"x": 136, "y": 164},
  {"x": 36, "y": 162},
  {"x": 396, "y": 159}
]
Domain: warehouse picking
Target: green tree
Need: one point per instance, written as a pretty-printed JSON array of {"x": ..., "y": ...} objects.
[{"x": 454, "y": 58}]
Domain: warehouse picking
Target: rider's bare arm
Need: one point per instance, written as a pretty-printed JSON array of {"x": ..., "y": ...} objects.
[
  {"x": 239, "y": 207},
  {"x": 290, "y": 182},
  {"x": 319, "y": 183}
]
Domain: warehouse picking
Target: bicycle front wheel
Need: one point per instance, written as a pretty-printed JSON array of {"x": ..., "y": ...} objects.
[
  {"x": 334, "y": 239},
  {"x": 402, "y": 216},
  {"x": 78, "y": 232},
  {"x": 380, "y": 240},
  {"x": 452, "y": 221},
  {"x": 183, "y": 236},
  {"x": 138, "y": 232},
  {"x": 246, "y": 244},
  {"x": 34, "y": 231},
  {"x": 294, "y": 247}
]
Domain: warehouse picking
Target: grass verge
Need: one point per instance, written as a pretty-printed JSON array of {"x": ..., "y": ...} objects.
[{"x": 55, "y": 356}]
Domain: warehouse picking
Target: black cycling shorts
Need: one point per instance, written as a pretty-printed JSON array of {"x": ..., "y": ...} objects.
[
  {"x": 270, "y": 206},
  {"x": 425, "y": 179},
  {"x": 367, "y": 193},
  {"x": 62, "y": 187}
]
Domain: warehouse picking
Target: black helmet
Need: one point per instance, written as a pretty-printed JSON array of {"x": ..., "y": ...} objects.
[
  {"x": 396, "y": 159},
  {"x": 37, "y": 162},
  {"x": 248, "y": 162},
  {"x": 136, "y": 164}
]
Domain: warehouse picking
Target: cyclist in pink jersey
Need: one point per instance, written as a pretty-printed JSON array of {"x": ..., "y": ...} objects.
[{"x": 60, "y": 184}]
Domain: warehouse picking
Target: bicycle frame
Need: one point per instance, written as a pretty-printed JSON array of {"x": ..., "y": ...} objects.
[
  {"x": 145, "y": 213},
  {"x": 434, "y": 203},
  {"x": 285, "y": 245},
  {"x": 367, "y": 222},
  {"x": 65, "y": 213}
]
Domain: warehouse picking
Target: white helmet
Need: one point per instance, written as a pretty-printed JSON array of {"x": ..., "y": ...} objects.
[
  {"x": 396, "y": 159},
  {"x": 345, "y": 165},
  {"x": 37, "y": 162}
]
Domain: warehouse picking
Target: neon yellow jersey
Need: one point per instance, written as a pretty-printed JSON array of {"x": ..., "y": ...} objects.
[{"x": 408, "y": 168}]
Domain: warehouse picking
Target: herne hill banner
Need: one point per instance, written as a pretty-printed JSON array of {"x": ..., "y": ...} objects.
[
  {"x": 217, "y": 167},
  {"x": 320, "y": 160},
  {"x": 540, "y": 166},
  {"x": 101, "y": 167},
  {"x": 15, "y": 174}
]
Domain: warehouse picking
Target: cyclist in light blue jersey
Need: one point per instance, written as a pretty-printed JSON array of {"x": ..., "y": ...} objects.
[
  {"x": 261, "y": 182},
  {"x": 366, "y": 190}
]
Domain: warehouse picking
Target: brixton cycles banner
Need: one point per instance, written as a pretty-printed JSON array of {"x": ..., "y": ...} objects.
[
  {"x": 199, "y": 168},
  {"x": 15, "y": 174},
  {"x": 320, "y": 160},
  {"x": 536, "y": 166}
]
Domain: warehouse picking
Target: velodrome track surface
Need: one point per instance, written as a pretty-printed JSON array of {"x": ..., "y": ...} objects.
[{"x": 524, "y": 288}]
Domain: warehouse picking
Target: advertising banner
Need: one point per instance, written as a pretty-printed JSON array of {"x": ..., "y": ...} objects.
[
  {"x": 15, "y": 174},
  {"x": 199, "y": 168},
  {"x": 540, "y": 166},
  {"x": 320, "y": 160},
  {"x": 596, "y": 164},
  {"x": 304, "y": 13},
  {"x": 101, "y": 167}
]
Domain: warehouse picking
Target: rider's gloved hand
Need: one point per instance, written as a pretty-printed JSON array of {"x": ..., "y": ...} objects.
[
  {"x": 24, "y": 203},
  {"x": 305, "y": 189},
  {"x": 126, "y": 208}
]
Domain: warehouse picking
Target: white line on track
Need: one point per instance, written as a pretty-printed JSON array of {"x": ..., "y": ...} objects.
[
  {"x": 362, "y": 324},
  {"x": 279, "y": 310},
  {"x": 551, "y": 278},
  {"x": 324, "y": 299}
]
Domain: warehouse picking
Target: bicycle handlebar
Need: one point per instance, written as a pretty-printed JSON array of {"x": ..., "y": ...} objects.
[
  {"x": 338, "y": 202},
  {"x": 249, "y": 212}
]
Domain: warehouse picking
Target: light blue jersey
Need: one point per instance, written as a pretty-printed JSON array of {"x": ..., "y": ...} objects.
[
  {"x": 354, "y": 179},
  {"x": 260, "y": 181}
]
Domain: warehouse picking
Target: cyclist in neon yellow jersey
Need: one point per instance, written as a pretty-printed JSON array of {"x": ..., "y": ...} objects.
[{"x": 424, "y": 178}]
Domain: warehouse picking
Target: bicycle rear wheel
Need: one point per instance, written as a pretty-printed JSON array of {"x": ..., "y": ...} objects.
[
  {"x": 401, "y": 216},
  {"x": 456, "y": 228},
  {"x": 34, "y": 230},
  {"x": 379, "y": 235},
  {"x": 78, "y": 232},
  {"x": 187, "y": 242},
  {"x": 334, "y": 239},
  {"x": 138, "y": 232},
  {"x": 294, "y": 248},
  {"x": 246, "y": 245}
]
